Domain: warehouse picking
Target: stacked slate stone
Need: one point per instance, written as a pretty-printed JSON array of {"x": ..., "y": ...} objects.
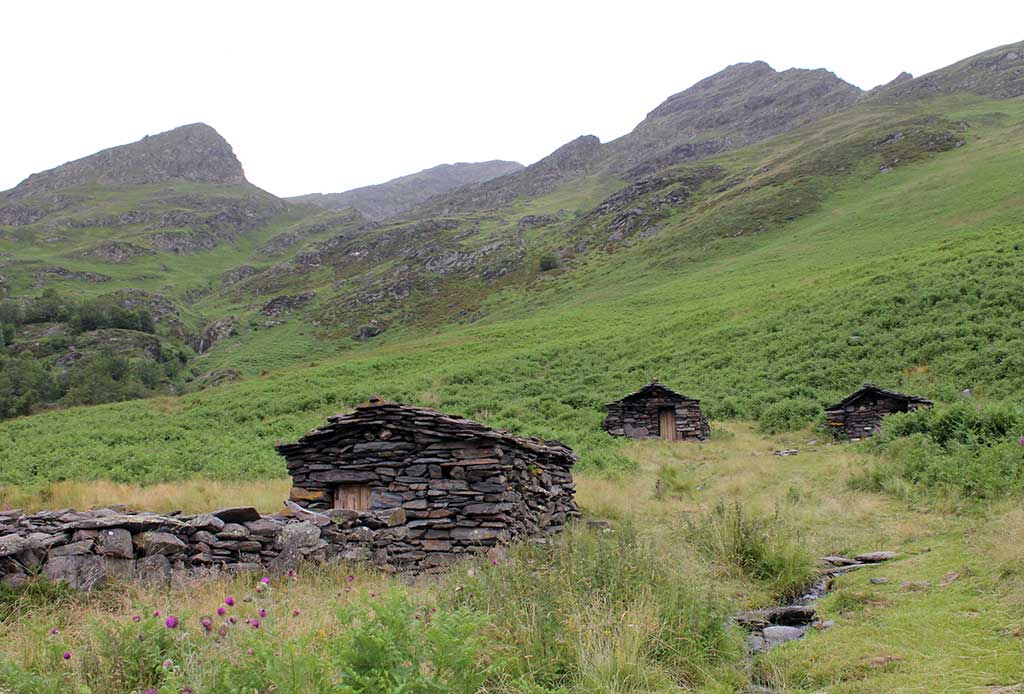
[
  {"x": 638, "y": 415},
  {"x": 436, "y": 487},
  {"x": 88, "y": 548},
  {"x": 860, "y": 414}
]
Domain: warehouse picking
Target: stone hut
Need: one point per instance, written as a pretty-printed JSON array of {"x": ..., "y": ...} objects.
[
  {"x": 859, "y": 415},
  {"x": 419, "y": 489},
  {"x": 656, "y": 411}
]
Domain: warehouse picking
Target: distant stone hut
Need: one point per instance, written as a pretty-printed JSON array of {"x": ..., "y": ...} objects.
[
  {"x": 860, "y": 414},
  {"x": 657, "y": 411},
  {"x": 412, "y": 487}
]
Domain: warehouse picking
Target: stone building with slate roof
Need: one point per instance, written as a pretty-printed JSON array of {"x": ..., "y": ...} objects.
[
  {"x": 860, "y": 414},
  {"x": 657, "y": 411},
  {"x": 412, "y": 487}
]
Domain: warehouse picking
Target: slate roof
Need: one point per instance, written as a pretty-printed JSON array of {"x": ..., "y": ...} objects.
[
  {"x": 871, "y": 387},
  {"x": 379, "y": 412},
  {"x": 653, "y": 389}
]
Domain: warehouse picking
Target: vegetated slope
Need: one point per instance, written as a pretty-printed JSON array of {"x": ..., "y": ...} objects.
[
  {"x": 902, "y": 277},
  {"x": 400, "y": 194}
]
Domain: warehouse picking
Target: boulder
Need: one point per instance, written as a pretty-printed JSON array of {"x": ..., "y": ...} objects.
[
  {"x": 115, "y": 542},
  {"x": 13, "y": 544},
  {"x": 876, "y": 557},
  {"x": 238, "y": 514},
  {"x": 206, "y": 521},
  {"x": 157, "y": 543},
  {"x": 73, "y": 549}
]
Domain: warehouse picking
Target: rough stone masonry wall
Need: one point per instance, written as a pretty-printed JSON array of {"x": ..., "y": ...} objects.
[
  {"x": 460, "y": 492},
  {"x": 640, "y": 419},
  {"x": 862, "y": 418}
]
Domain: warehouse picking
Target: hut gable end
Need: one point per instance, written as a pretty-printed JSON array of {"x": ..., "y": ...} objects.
[
  {"x": 860, "y": 414},
  {"x": 657, "y": 411},
  {"x": 441, "y": 486}
]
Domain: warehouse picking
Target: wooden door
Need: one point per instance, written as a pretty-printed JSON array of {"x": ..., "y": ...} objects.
[
  {"x": 667, "y": 423},
  {"x": 352, "y": 496}
]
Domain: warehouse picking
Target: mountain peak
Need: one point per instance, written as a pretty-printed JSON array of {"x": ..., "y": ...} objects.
[
  {"x": 194, "y": 152},
  {"x": 997, "y": 73}
]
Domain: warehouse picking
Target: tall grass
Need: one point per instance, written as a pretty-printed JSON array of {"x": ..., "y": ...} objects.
[{"x": 760, "y": 547}]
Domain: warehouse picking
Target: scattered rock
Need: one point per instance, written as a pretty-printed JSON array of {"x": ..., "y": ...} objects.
[
  {"x": 876, "y": 557},
  {"x": 879, "y": 580},
  {"x": 237, "y": 514}
]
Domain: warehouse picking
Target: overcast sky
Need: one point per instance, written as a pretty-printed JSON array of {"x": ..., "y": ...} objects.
[{"x": 322, "y": 97}]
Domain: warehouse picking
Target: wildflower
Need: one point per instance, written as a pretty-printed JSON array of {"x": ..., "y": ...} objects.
[
  {"x": 255, "y": 624},
  {"x": 348, "y": 589},
  {"x": 494, "y": 562},
  {"x": 259, "y": 587},
  {"x": 265, "y": 580},
  {"x": 292, "y": 573},
  {"x": 136, "y": 618},
  {"x": 263, "y": 613},
  {"x": 229, "y": 601},
  {"x": 296, "y": 612},
  {"x": 351, "y": 578},
  {"x": 150, "y": 691},
  {"x": 223, "y": 631},
  {"x": 156, "y": 613},
  {"x": 171, "y": 622},
  {"x": 232, "y": 620},
  {"x": 167, "y": 664},
  {"x": 66, "y": 656},
  {"x": 54, "y": 631},
  {"x": 221, "y": 611},
  {"x": 1021, "y": 441},
  {"x": 373, "y": 595},
  {"x": 207, "y": 623},
  {"x": 249, "y": 651}
]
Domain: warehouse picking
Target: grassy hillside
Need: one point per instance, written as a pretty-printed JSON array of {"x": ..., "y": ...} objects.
[{"x": 906, "y": 278}]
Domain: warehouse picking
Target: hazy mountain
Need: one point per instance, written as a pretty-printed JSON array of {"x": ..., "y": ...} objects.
[{"x": 400, "y": 194}]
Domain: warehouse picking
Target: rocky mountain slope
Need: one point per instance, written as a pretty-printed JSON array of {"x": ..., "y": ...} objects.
[
  {"x": 238, "y": 281},
  {"x": 388, "y": 199}
]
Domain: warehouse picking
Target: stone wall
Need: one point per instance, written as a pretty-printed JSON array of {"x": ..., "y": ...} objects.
[
  {"x": 461, "y": 487},
  {"x": 640, "y": 418}
]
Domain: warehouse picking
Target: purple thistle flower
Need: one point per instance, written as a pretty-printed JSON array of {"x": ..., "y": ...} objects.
[
  {"x": 255, "y": 624},
  {"x": 156, "y": 613},
  {"x": 296, "y": 612},
  {"x": 351, "y": 578},
  {"x": 292, "y": 573},
  {"x": 171, "y": 622},
  {"x": 263, "y": 613},
  {"x": 150, "y": 691},
  {"x": 1021, "y": 440},
  {"x": 229, "y": 601},
  {"x": 265, "y": 580},
  {"x": 220, "y": 611},
  {"x": 232, "y": 619},
  {"x": 66, "y": 656},
  {"x": 54, "y": 631},
  {"x": 207, "y": 623},
  {"x": 494, "y": 562},
  {"x": 348, "y": 589},
  {"x": 136, "y": 618},
  {"x": 167, "y": 664}
]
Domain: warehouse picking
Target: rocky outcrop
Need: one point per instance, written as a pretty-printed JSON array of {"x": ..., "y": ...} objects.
[
  {"x": 192, "y": 152},
  {"x": 280, "y": 305},
  {"x": 117, "y": 252},
  {"x": 50, "y": 274},
  {"x": 997, "y": 73},
  {"x": 212, "y": 334}
]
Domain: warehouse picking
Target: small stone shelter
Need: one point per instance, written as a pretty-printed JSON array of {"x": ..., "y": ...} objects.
[
  {"x": 657, "y": 411},
  {"x": 861, "y": 413},
  {"x": 418, "y": 488}
]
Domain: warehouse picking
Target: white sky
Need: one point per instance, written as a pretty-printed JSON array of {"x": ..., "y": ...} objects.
[{"x": 326, "y": 96}]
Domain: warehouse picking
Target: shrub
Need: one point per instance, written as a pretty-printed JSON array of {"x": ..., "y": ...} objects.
[
  {"x": 788, "y": 414},
  {"x": 549, "y": 261}
]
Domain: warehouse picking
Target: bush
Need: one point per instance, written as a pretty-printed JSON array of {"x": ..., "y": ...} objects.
[
  {"x": 761, "y": 547},
  {"x": 549, "y": 261},
  {"x": 960, "y": 450},
  {"x": 789, "y": 414}
]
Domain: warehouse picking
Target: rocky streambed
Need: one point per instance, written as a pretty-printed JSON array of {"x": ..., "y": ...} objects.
[{"x": 774, "y": 626}]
